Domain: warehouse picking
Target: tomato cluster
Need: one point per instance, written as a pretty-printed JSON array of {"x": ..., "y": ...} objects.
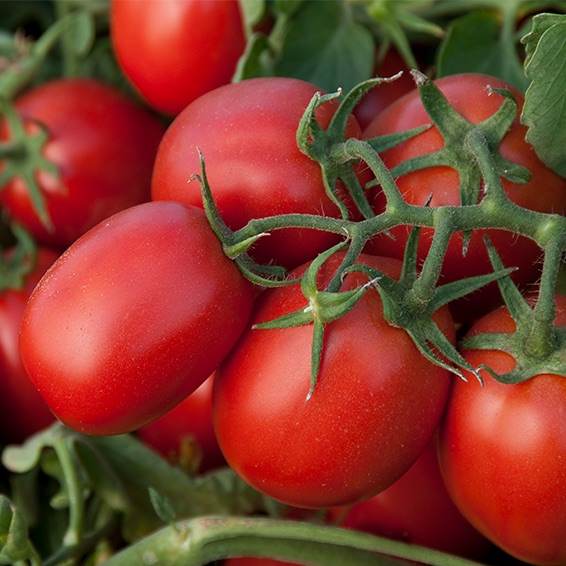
[{"x": 135, "y": 318}]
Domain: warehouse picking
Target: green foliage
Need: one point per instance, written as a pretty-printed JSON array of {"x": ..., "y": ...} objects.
[{"x": 545, "y": 111}]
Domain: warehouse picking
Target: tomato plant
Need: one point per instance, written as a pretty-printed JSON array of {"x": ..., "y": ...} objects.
[
  {"x": 545, "y": 192},
  {"x": 502, "y": 450},
  {"x": 375, "y": 405},
  {"x": 115, "y": 336},
  {"x": 185, "y": 435},
  {"x": 417, "y": 509},
  {"x": 247, "y": 132},
  {"x": 173, "y": 52},
  {"x": 103, "y": 147},
  {"x": 22, "y": 409}
]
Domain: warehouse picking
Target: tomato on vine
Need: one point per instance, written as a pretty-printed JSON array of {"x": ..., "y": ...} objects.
[
  {"x": 96, "y": 158},
  {"x": 502, "y": 451},
  {"x": 375, "y": 405},
  {"x": 247, "y": 132},
  {"x": 473, "y": 97}
]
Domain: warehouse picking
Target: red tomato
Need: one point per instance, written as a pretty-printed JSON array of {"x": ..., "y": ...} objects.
[
  {"x": 174, "y": 51},
  {"x": 417, "y": 509},
  {"x": 132, "y": 318},
  {"x": 502, "y": 452},
  {"x": 546, "y": 191},
  {"x": 104, "y": 146},
  {"x": 381, "y": 96},
  {"x": 190, "y": 421},
  {"x": 23, "y": 411},
  {"x": 247, "y": 134},
  {"x": 376, "y": 403}
]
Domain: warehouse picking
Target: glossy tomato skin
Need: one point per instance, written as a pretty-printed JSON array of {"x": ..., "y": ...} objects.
[
  {"x": 133, "y": 318},
  {"x": 190, "y": 421},
  {"x": 174, "y": 51},
  {"x": 23, "y": 411},
  {"x": 502, "y": 452},
  {"x": 545, "y": 192},
  {"x": 247, "y": 134},
  {"x": 375, "y": 405},
  {"x": 104, "y": 146},
  {"x": 417, "y": 509}
]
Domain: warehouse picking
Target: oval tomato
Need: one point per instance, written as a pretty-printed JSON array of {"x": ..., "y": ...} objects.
[
  {"x": 174, "y": 51},
  {"x": 103, "y": 145},
  {"x": 22, "y": 409},
  {"x": 247, "y": 134},
  {"x": 417, "y": 509},
  {"x": 502, "y": 452},
  {"x": 545, "y": 192},
  {"x": 132, "y": 318},
  {"x": 376, "y": 403},
  {"x": 185, "y": 435}
]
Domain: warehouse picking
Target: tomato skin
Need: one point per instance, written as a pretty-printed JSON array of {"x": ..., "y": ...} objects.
[
  {"x": 502, "y": 451},
  {"x": 545, "y": 192},
  {"x": 417, "y": 509},
  {"x": 247, "y": 134},
  {"x": 321, "y": 452},
  {"x": 190, "y": 419},
  {"x": 174, "y": 51},
  {"x": 114, "y": 336},
  {"x": 104, "y": 146},
  {"x": 23, "y": 411}
]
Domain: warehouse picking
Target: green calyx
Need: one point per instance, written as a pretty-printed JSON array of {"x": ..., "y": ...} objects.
[{"x": 22, "y": 157}]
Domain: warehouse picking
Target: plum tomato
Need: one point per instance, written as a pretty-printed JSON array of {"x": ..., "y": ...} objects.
[
  {"x": 247, "y": 134},
  {"x": 175, "y": 51},
  {"x": 132, "y": 318},
  {"x": 103, "y": 145},
  {"x": 502, "y": 450},
  {"x": 376, "y": 403}
]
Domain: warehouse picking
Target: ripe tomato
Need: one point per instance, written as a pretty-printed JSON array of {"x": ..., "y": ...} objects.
[
  {"x": 132, "y": 318},
  {"x": 417, "y": 509},
  {"x": 175, "y": 433},
  {"x": 546, "y": 191},
  {"x": 376, "y": 403},
  {"x": 174, "y": 51},
  {"x": 247, "y": 134},
  {"x": 104, "y": 146},
  {"x": 502, "y": 452},
  {"x": 22, "y": 409}
]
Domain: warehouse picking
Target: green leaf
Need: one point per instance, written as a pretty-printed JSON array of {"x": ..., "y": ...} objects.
[
  {"x": 335, "y": 53},
  {"x": 82, "y": 34},
  {"x": 473, "y": 44},
  {"x": 15, "y": 544},
  {"x": 544, "y": 112}
]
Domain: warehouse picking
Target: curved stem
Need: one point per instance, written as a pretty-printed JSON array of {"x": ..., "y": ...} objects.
[{"x": 205, "y": 539}]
